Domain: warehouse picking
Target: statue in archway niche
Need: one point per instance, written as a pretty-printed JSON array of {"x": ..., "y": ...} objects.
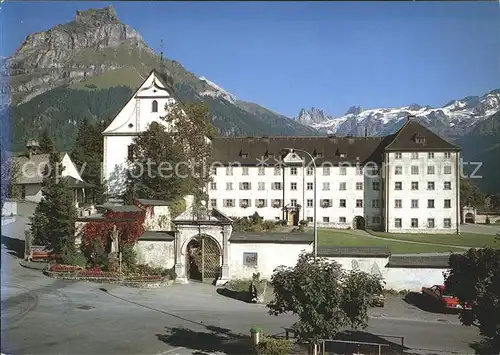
[
  {"x": 113, "y": 256},
  {"x": 114, "y": 240}
]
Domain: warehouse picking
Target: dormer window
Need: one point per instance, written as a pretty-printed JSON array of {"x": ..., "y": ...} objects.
[
  {"x": 244, "y": 155},
  {"x": 420, "y": 139},
  {"x": 340, "y": 154},
  {"x": 154, "y": 106}
]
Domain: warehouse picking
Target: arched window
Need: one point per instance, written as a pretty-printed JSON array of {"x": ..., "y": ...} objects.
[{"x": 154, "y": 106}]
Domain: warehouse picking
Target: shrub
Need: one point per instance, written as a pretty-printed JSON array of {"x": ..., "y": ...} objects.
[
  {"x": 129, "y": 257},
  {"x": 268, "y": 225},
  {"x": 257, "y": 228},
  {"x": 488, "y": 220},
  {"x": 270, "y": 346},
  {"x": 303, "y": 223},
  {"x": 74, "y": 258}
]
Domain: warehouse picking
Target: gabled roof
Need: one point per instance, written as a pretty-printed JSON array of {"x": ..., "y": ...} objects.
[
  {"x": 31, "y": 173},
  {"x": 149, "y": 202},
  {"x": 406, "y": 139}
]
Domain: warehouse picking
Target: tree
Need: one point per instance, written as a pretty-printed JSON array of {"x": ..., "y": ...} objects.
[
  {"x": 87, "y": 155},
  {"x": 53, "y": 223},
  {"x": 325, "y": 297},
  {"x": 46, "y": 143},
  {"x": 171, "y": 163},
  {"x": 474, "y": 278},
  {"x": 470, "y": 195},
  {"x": 8, "y": 172}
]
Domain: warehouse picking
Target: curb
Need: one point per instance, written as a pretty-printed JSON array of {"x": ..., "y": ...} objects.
[{"x": 34, "y": 265}]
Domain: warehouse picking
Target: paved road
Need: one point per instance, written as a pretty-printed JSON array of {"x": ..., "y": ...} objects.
[{"x": 44, "y": 316}]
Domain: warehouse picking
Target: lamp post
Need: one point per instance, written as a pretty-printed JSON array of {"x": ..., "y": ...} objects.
[{"x": 315, "y": 222}]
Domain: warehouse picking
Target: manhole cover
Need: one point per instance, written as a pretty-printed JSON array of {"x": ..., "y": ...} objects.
[{"x": 85, "y": 307}]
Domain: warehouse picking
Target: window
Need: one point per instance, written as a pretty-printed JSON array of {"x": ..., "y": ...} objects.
[
  {"x": 359, "y": 170},
  {"x": 342, "y": 203},
  {"x": 293, "y": 171},
  {"x": 277, "y": 171},
  {"x": 447, "y": 185},
  {"x": 228, "y": 202},
  {"x": 213, "y": 186},
  {"x": 326, "y": 202},
  {"x": 430, "y": 155},
  {"x": 414, "y": 155},
  {"x": 359, "y": 186},
  {"x": 430, "y": 203},
  {"x": 414, "y": 170},
  {"x": 213, "y": 202},
  {"x": 414, "y": 203},
  {"x": 229, "y": 171},
  {"x": 398, "y": 155},
  {"x": 326, "y": 171},
  {"x": 447, "y": 222},
  {"x": 326, "y": 186},
  {"x": 229, "y": 186},
  {"x": 130, "y": 152},
  {"x": 154, "y": 106},
  {"x": 342, "y": 186},
  {"x": 310, "y": 186},
  {"x": 244, "y": 203},
  {"x": 430, "y": 185},
  {"x": 414, "y": 185},
  {"x": 309, "y": 219},
  {"x": 310, "y": 203},
  {"x": 262, "y": 170},
  {"x": 398, "y": 170},
  {"x": 398, "y": 185},
  {"x": 430, "y": 170},
  {"x": 375, "y": 203},
  {"x": 376, "y": 186},
  {"x": 260, "y": 203},
  {"x": 447, "y": 155},
  {"x": 213, "y": 170},
  {"x": 310, "y": 171},
  {"x": 244, "y": 170},
  {"x": 447, "y": 169},
  {"x": 343, "y": 171},
  {"x": 414, "y": 222},
  {"x": 375, "y": 219},
  {"x": 398, "y": 204},
  {"x": 293, "y": 202},
  {"x": 23, "y": 192},
  {"x": 420, "y": 140},
  {"x": 326, "y": 219},
  {"x": 430, "y": 222},
  {"x": 342, "y": 219},
  {"x": 245, "y": 186},
  {"x": 276, "y": 186},
  {"x": 447, "y": 203},
  {"x": 262, "y": 186},
  {"x": 397, "y": 222},
  {"x": 359, "y": 203},
  {"x": 250, "y": 259},
  {"x": 293, "y": 186},
  {"x": 276, "y": 203}
]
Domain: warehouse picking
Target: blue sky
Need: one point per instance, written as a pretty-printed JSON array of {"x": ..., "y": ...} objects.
[{"x": 330, "y": 55}]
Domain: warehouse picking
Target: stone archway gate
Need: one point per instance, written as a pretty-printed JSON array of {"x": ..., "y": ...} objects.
[
  {"x": 211, "y": 231},
  {"x": 204, "y": 258}
]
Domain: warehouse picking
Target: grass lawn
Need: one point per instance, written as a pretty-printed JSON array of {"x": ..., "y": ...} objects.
[
  {"x": 349, "y": 238},
  {"x": 464, "y": 239}
]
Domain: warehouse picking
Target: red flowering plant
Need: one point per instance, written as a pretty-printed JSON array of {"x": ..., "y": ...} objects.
[
  {"x": 64, "y": 268},
  {"x": 96, "y": 234}
]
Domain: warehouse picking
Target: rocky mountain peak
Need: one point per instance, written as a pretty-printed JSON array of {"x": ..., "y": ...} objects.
[
  {"x": 354, "y": 110},
  {"x": 98, "y": 17},
  {"x": 312, "y": 115}
]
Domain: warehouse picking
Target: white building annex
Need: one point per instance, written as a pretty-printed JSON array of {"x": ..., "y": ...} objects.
[{"x": 407, "y": 182}]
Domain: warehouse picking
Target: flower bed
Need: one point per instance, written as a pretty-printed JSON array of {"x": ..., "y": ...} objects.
[{"x": 65, "y": 268}]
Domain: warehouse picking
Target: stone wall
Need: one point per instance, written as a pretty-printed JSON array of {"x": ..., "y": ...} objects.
[
  {"x": 269, "y": 257},
  {"x": 481, "y": 218},
  {"x": 155, "y": 253}
]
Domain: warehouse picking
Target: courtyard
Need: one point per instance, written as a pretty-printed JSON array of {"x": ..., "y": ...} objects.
[{"x": 45, "y": 316}]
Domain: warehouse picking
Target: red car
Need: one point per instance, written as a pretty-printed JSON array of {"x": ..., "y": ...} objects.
[{"x": 438, "y": 293}]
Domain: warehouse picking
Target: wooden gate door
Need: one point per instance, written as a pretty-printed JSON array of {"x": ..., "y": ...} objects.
[{"x": 210, "y": 261}]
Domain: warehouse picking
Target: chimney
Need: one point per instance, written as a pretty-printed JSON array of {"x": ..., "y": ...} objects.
[{"x": 366, "y": 131}]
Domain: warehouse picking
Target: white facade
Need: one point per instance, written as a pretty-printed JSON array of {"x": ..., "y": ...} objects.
[
  {"x": 422, "y": 192},
  {"x": 148, "y": 105}
]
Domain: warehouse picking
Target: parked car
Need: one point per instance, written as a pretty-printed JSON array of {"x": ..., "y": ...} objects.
[{"x": 438, "y": 293}]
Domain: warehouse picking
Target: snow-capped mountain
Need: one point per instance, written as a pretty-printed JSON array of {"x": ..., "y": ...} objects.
[
  {"x": 455, "y": 118},
  {"x": 217, "y": 91}
]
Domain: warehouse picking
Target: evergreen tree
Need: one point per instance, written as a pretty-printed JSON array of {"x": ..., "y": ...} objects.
[
  {"x": 87, "y": 155},
  {"x": 46, "y": 143},
  {"x": 53, "y": 223}
]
